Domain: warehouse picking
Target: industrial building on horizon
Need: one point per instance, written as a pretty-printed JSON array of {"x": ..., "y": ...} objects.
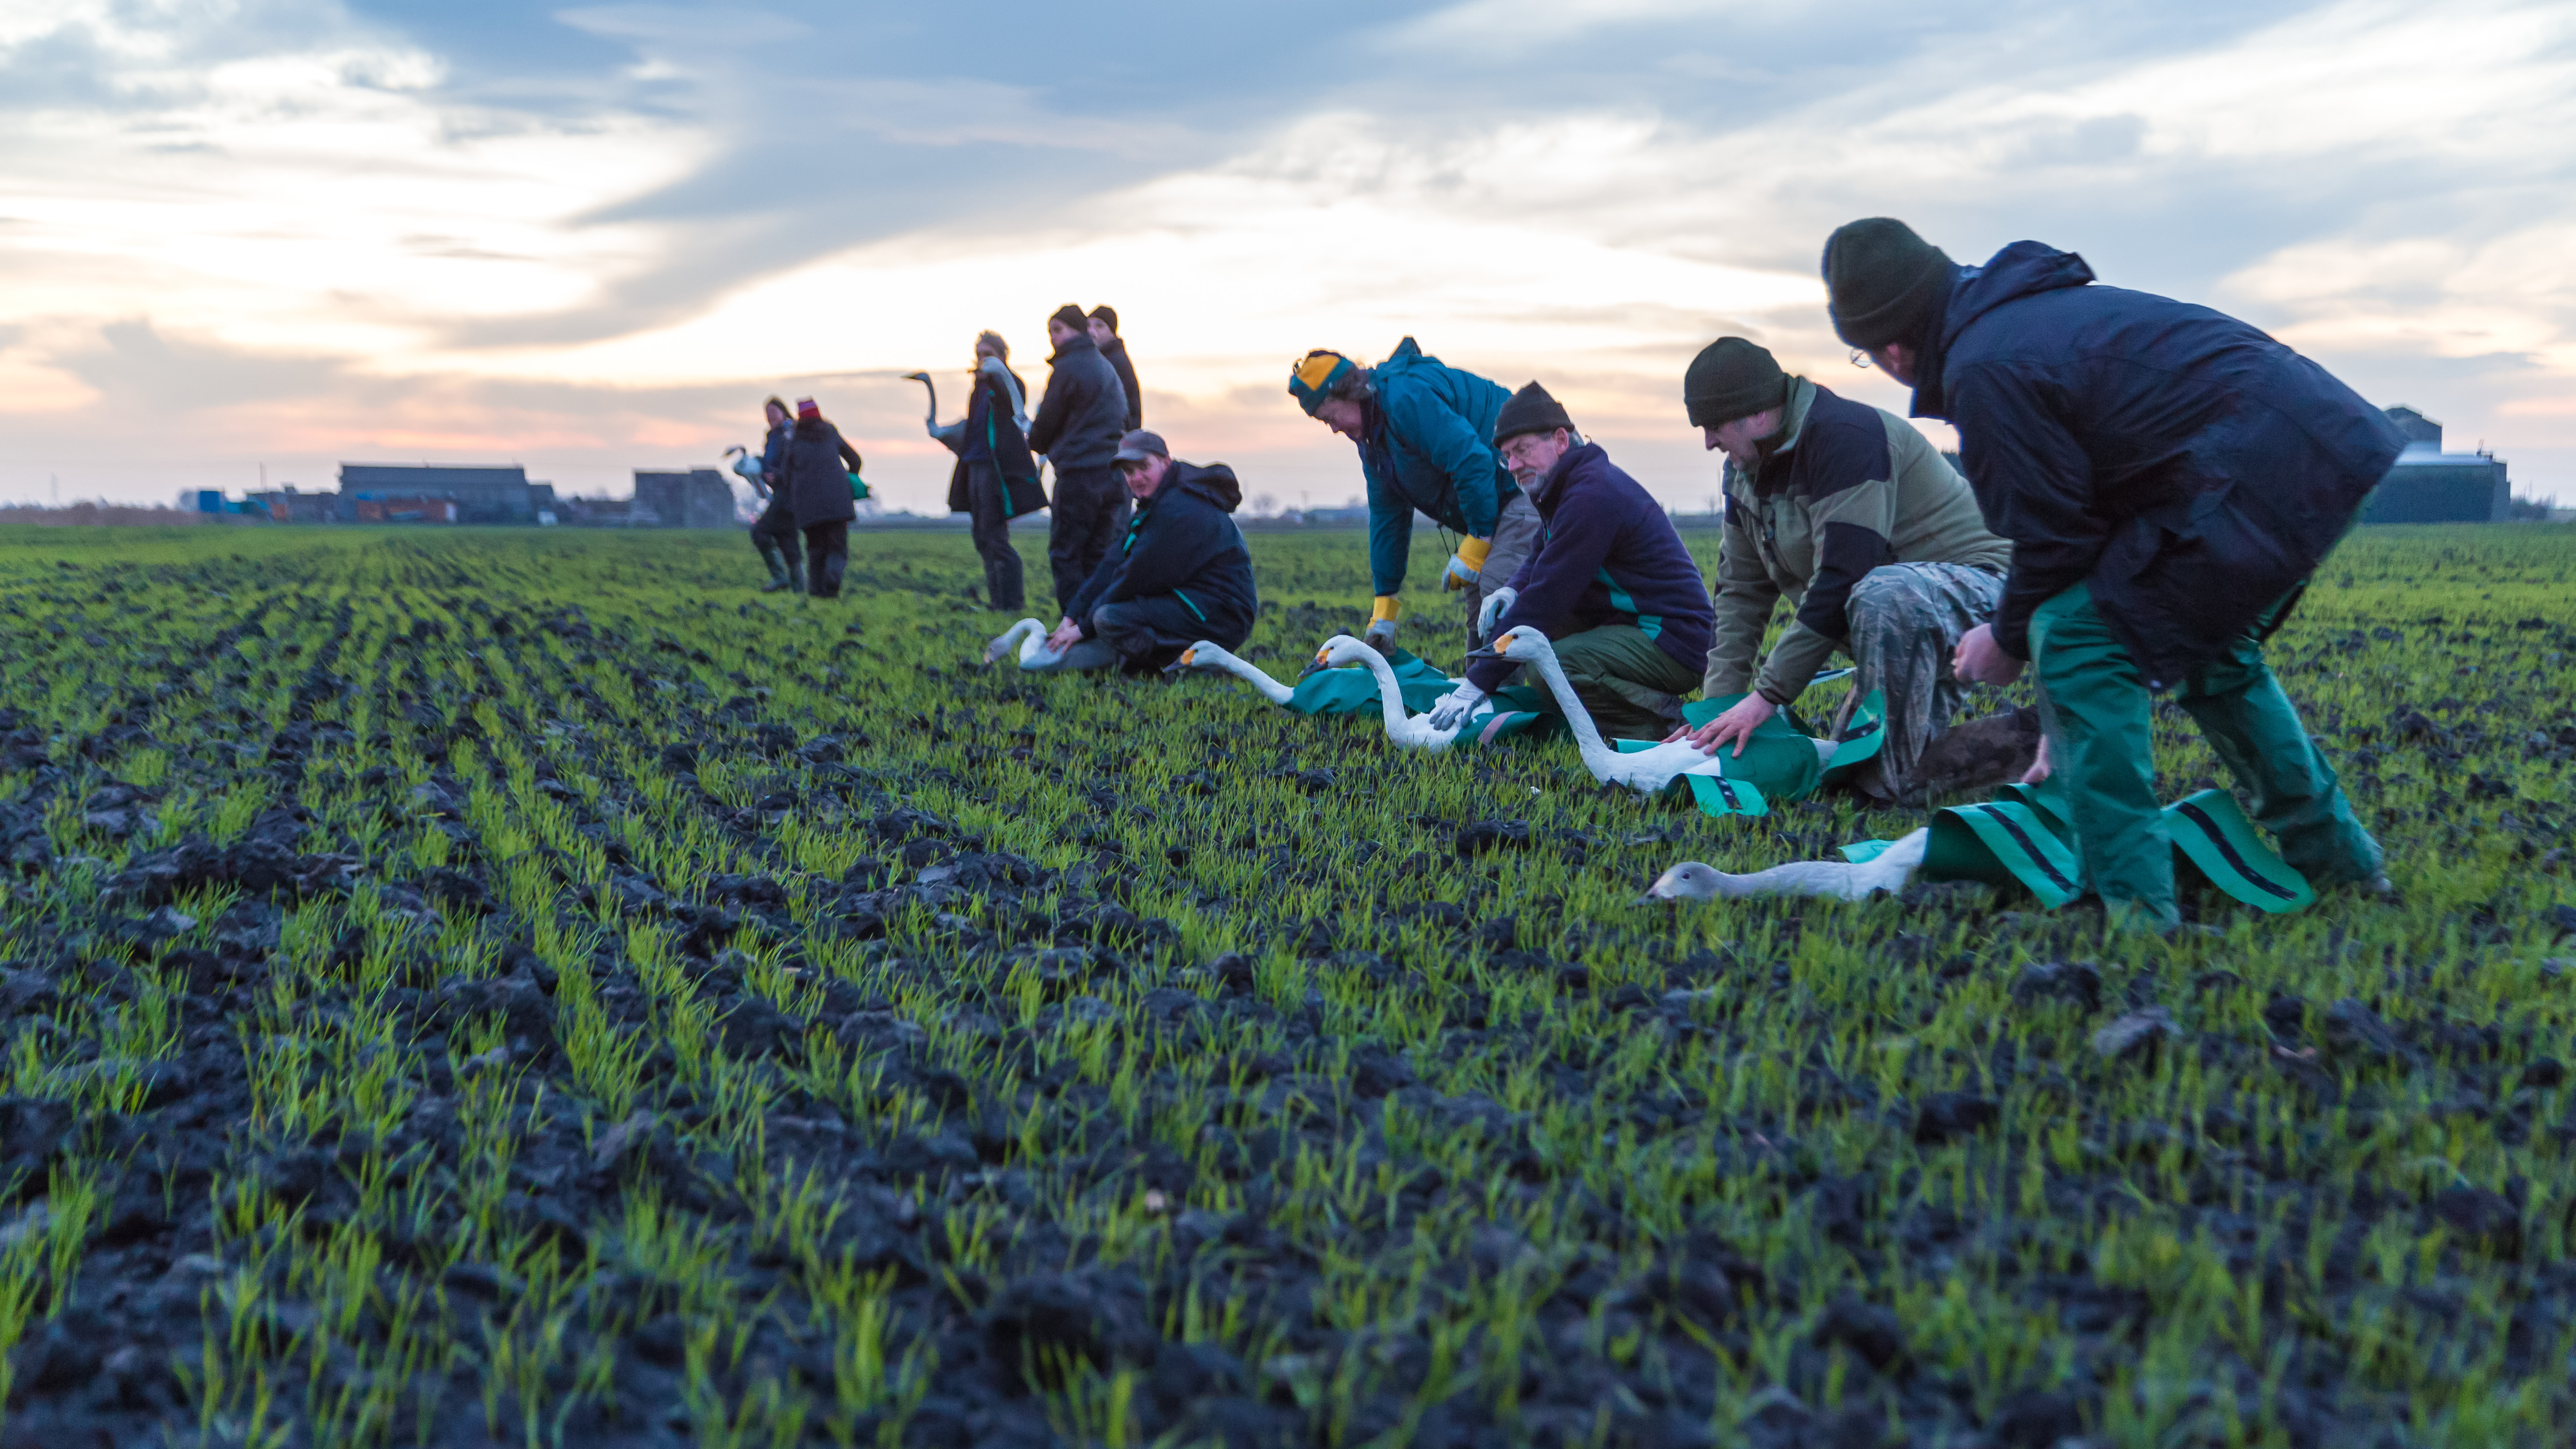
[{"x": 2431, "y": 486}]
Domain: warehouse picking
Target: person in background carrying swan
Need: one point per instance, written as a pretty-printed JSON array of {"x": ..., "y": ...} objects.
[
  {"x": 996, "y": 479},
  {"x": 819, "y": 466},
  {"x": 774, "y": 532},
  {"x": 1425, "y": 437},
  {"x": 1181, "y": 574},
  {"x": 1611, "y": 584}
]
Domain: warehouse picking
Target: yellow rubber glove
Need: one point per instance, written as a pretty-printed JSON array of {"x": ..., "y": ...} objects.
[{"x": 1469, "y": 564}]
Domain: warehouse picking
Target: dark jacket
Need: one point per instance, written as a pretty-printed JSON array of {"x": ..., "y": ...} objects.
[
  {"x": 2189, "y": 468},
  {"x": 773, "y": 459},
  {"x": 1843, "y": 488},
  {"x": 1429, "y": 446},
  {"x": 1606, "y": 554},
  {"x": 1116, "y": 352},
  {"x": 991, "y": 433},
  {"x": 819, "y": 465},
  {"x": 1181, "y": 542},
  {"x": 1079, "y": 424}
]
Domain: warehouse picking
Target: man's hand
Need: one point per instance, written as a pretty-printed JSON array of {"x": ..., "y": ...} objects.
[
  {"x": 1066, "y": 635},
  {"x": 2040, "y": 769},
  {"x": 1497, "y": 604},
  {"x": 1733, "y": 727},
  {"x": 1981, "y": 660},
  {"x": 1452, "y": 708}
]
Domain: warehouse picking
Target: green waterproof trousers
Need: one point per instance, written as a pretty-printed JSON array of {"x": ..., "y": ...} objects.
[
  {"x": 2100, "y": 719},
  {"x": 1628, "y": 684}
]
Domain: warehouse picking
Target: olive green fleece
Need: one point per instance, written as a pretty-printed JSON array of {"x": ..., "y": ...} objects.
[{"x": 1769, "y": 550}]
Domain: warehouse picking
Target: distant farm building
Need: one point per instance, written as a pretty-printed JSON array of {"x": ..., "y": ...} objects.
[
  {"x": 682, "y": 498},
  {"x": 481, "y": 495},
  {"x": 2431, "y": 486}
]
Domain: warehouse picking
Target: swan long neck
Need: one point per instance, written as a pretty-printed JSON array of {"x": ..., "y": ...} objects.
[
  {"x": 1249, "y": 673},
  {"x": 1587, "y": 736},
  {"x": 1390, "y": 695}
]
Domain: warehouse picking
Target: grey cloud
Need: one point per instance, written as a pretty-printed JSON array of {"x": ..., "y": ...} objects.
[{"x": 143, "y": 374}]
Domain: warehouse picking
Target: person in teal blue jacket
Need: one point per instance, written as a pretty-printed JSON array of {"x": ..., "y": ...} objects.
[{"x": 1425, "y": 437}]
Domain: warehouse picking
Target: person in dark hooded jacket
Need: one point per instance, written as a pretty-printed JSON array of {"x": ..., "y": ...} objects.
[
  {"x": 819, "y": 468},
  {"x": 1610, "y": 583},
  {"x": 1182, "y": 573},
  {"x": 2169, "y": 477},
  {"x": 774, "y": 532},
  {"x": 1077, "y": 428},
  {"x": 1104, "y": 335}
]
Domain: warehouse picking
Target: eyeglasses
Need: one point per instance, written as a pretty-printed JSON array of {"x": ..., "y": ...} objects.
[{"x": 1860, "y": 359}]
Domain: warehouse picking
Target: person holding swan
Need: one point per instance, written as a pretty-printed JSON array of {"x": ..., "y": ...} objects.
[
  {"x": 1181, "y": 574},
  {"x": 996, "y": 477},
  {"x": 1610, "y": 583}
]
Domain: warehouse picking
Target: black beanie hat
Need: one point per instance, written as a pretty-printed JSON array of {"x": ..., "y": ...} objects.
[
  {"x": 1071, "y": 316},
  {"x": 1732, "y": 378},
  {"x": 1530, "y": 410},
  {"x": 1107, "y": 316},
  {"x": 1883, "y": 283}
]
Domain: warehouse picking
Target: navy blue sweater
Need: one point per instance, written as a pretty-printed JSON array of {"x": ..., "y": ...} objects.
[{"x": 1606, "y": 555}]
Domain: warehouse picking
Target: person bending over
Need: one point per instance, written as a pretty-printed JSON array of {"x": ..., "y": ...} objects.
[
  {"x": 1182, "y": 573},
  {"x": 2169, "y": 477},
  {"x": 1077, "y": 428},
  {"x": 1610, "y": 584},
  {"x": 819, "y": 465},
  {"x": 1852, "y": 515},
  {"x": 996, "y": 478},
  {"x": 774, "y": 532},
  {"x": 1425, "y": 438}
]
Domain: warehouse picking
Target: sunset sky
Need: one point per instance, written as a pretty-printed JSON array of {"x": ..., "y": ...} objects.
[{"x": 294, "y": 232}]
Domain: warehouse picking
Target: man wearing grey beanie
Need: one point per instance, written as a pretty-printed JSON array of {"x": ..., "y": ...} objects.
[{"x": 1851, "y": 515}]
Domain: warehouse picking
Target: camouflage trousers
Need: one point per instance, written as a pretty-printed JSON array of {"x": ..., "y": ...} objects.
[{"x": 1906, "y": 620}]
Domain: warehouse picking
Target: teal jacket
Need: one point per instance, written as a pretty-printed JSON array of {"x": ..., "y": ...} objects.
[{"x": 1430, "y": 447}]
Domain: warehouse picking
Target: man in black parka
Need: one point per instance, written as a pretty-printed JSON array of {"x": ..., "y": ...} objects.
[
  {"x": 1077, "y": 428},
  {"x": 2169, "y": 477},
  {"x": 1182, "y": 573},
  {"x": 819, "y": 467},
  {"x": 1104, "y": 335}
]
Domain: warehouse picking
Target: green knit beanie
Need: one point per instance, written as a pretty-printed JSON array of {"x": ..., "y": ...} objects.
[
  {"x": 1732, "y": 378},
  {"x": 1883, "y": 283}
]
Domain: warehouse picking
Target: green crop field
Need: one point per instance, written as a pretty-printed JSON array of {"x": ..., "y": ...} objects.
[{"x": 510, "y": 987}]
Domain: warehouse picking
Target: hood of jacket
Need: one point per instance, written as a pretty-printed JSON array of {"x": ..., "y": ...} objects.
[
  {"x": 1214, "y": 482},
  {"x": 812, "y": 427},
  {"x": 1406, "y": 356},
  {"x": 2023, "y": 269}
]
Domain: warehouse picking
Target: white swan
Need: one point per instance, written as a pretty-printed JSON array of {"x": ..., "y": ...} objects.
[
  {"x": 1208, "y": 655},
  {"x": 1413, "y": 732},
  {"x": 1646, "y": 771},
  {"x": 1027, "y": 636},
  {"x": 1692, "y": 881}
]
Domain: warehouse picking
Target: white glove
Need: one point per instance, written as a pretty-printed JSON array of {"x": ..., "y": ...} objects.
[
  {"x": 1497, "y": 604},
  {"x": 1453, "y": 708}
]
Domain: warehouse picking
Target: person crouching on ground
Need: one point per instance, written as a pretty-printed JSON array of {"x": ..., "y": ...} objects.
[
  {"x": 996, "y": 478},
  {"x": 819, "y": 465},
  {"x": 774, "y": 532},
  {"x": 1182, "y": 573},
  {"x": 1424, "y": 432},
  {"x": 2169, "y": 477},
  {"x": 1611, "y": 584},
  {"x": 1876, "y": 542}
]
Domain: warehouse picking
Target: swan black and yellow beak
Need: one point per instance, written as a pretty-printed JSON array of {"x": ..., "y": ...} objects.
[
  {"x": 1496, "y": 650},
  {"x": 1188, "y": 657},
  {"x": 1318, "y": 663}
]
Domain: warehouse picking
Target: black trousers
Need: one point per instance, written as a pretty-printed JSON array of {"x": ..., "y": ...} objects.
[
  {"x": 989, "y": 511},
  {"x": 774, "y": 535},
  {"x": 1151, "y": 632},
  {"x": 1090, "y": 511},
  {"x": 827, "y": 557}
]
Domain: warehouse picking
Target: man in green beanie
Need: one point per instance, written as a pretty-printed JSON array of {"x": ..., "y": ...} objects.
[
  {"x": 2169, "y": 477},
  {"x": 1851, "y": 515}
]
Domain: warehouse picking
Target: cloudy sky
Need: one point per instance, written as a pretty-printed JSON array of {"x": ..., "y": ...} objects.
[{"x": 284, "y": 233}]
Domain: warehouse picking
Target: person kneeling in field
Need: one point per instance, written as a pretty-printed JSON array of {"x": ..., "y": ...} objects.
[
  {"x": 1876, "y": 542},
  {"x": 1610, "y": 583},
  {"x": 2169, "y": 478},
  {"x": 1181, "y": 574}
]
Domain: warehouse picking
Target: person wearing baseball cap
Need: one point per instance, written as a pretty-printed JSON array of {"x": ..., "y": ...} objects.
[
  {"x": 2169, "y": 478},
  {"x": 1181, "y": 573},
  {"x": 1425, "y": 437},
  {"x": 1610, "y": 584},
  {"x": 1077, "y": 427},
  {"x": 1850, "y": 514}
]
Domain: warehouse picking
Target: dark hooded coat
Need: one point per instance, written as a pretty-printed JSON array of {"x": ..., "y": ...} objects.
[
  {"x": 1182, "y": 542},
  {"x": 989, "y": 422},
  {"x": 819, "y": 465},
  {"x": 2188, "y": 467}
]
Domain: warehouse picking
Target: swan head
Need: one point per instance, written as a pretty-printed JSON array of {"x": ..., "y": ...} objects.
[
  {"x": 916, "y": 377},
  {"x": 1191, "y": 658},
  {"x": 1689, "y": 881},
  {"x": 1520, "y": 645}
]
